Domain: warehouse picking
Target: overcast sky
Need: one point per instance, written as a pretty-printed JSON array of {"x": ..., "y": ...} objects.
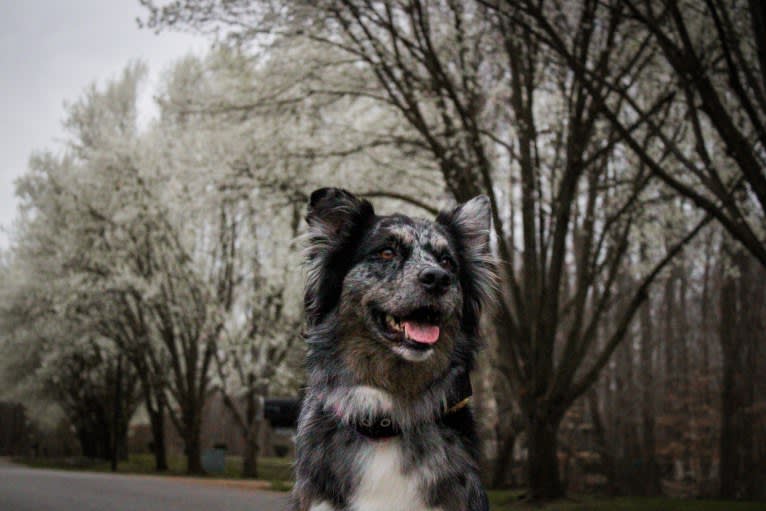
[{"x": 49, "y": 52}]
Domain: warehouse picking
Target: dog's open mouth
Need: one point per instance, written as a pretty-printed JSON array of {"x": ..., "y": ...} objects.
[{"x": 418, "y": 329}]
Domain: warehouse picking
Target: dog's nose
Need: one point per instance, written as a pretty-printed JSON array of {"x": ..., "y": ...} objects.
[{"x": 435, "y": 280}]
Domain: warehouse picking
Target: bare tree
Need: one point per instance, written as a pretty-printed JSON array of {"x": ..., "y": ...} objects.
[
  {"x": 443, "y": 67},
  {"x": 711, "y": 59},
  {"x": 252, "y": 352}
]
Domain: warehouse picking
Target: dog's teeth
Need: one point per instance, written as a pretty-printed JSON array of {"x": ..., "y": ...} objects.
[{"x": 391, "y": 321}]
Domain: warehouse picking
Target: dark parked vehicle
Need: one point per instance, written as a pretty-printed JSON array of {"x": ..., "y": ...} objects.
[{"x": 282, "y": 412}]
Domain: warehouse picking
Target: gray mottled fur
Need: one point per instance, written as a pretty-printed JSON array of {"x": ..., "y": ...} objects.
[{"x": 354, "y": 373}]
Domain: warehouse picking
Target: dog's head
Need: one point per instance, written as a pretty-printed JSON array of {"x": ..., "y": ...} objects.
[{"x": 404, "y": 294}]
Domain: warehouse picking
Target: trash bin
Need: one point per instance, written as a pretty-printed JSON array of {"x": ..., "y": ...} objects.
[{"x": 214, "y": 460}]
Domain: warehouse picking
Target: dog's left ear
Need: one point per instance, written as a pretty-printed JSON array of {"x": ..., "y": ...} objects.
[
  {"x": 337, "y": 220},
  {"x": 469, "y": 225},
  {"x": 471, "y": 221}
]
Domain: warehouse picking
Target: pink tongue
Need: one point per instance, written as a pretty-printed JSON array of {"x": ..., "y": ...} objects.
[{"x": 426, "y": 334}]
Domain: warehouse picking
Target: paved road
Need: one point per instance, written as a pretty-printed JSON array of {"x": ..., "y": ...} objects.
[{"x": 26, "y": 489}]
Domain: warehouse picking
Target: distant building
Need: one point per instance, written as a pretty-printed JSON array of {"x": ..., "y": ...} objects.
[{"x": 218, "y": 428}]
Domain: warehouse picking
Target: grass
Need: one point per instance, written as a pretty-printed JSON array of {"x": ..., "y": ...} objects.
[
  {"x": 278, "y": 472},
  {"x": 508, "y": 501}
]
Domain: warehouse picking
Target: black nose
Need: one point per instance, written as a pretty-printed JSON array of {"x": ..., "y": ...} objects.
[{"x": 435, "y": 280}]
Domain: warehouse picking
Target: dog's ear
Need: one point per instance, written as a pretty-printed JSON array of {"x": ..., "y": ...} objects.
[
  {"x": 469, "y": 225},
  {"x": 337, "y": 220},
  {"x": 333, "y": 209},
  {"x": 472, "y": 220}
]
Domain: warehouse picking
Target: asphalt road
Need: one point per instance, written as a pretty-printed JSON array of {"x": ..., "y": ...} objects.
[{"x": 27, "y": 489}]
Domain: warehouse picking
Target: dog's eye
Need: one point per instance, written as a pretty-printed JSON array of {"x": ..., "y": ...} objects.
[
  {"x": 446, "y": 263},
  {"x": 387, "y": 254}
]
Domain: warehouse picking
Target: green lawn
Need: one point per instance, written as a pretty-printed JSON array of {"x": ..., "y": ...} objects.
[{"x": 507, "y": 501}]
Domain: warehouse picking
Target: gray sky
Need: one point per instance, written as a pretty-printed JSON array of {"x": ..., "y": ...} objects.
[{"x": 49, "y": 52}]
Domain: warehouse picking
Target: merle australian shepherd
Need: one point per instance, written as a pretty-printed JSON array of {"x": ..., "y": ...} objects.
[{"x": 392, "y": 306}]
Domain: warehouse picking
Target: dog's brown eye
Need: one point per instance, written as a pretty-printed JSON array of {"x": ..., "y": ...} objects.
[
  {"x": 387, "y": 254},
  {"x": 447, "y": 263}
]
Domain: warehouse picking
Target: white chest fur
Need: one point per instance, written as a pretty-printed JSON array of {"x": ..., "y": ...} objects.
[{"x": 382, "y": 485}]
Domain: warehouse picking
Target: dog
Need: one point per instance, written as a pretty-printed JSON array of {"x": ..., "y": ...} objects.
[{"x": 392, "y": 306}]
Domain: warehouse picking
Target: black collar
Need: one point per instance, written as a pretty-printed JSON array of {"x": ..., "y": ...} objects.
[
  {"x": 377, "y": 428},
  {"x": 382, "y": 427}
]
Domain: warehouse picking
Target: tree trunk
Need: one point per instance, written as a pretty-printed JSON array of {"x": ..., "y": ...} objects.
[
  {"x": 486, "y": 409},
  {"x": 503, "y": 466},
  {"x": 250, "y": 456},
  {"x": 683, "y": 368},
  {"x": 706, "y": 370},
  {"x": 157, "y": 420},
  {"x": 670, "y": 431},
  {"x": 192, "y": 441},
  {"x": 650, "y": 471},
  {"x": 542, "y": 457},
  {"x": 155, "y": 408},
  {"x": 88, "y": 442},
  {"x": 608, "y": 465},
  {"x": 122, "y": 443},
  {"x": 742, "y": 301},
  {"x": 117, "y": 413},
  {"x": 728, "y": 446},
  {"x": 193, "y": 455},
  {"x": 95, "y": 436}
]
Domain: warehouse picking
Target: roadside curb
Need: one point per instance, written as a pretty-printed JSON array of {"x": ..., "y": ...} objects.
[
  {"x": 239, "y": 484},
  {"x": 249, "y": 485}
]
